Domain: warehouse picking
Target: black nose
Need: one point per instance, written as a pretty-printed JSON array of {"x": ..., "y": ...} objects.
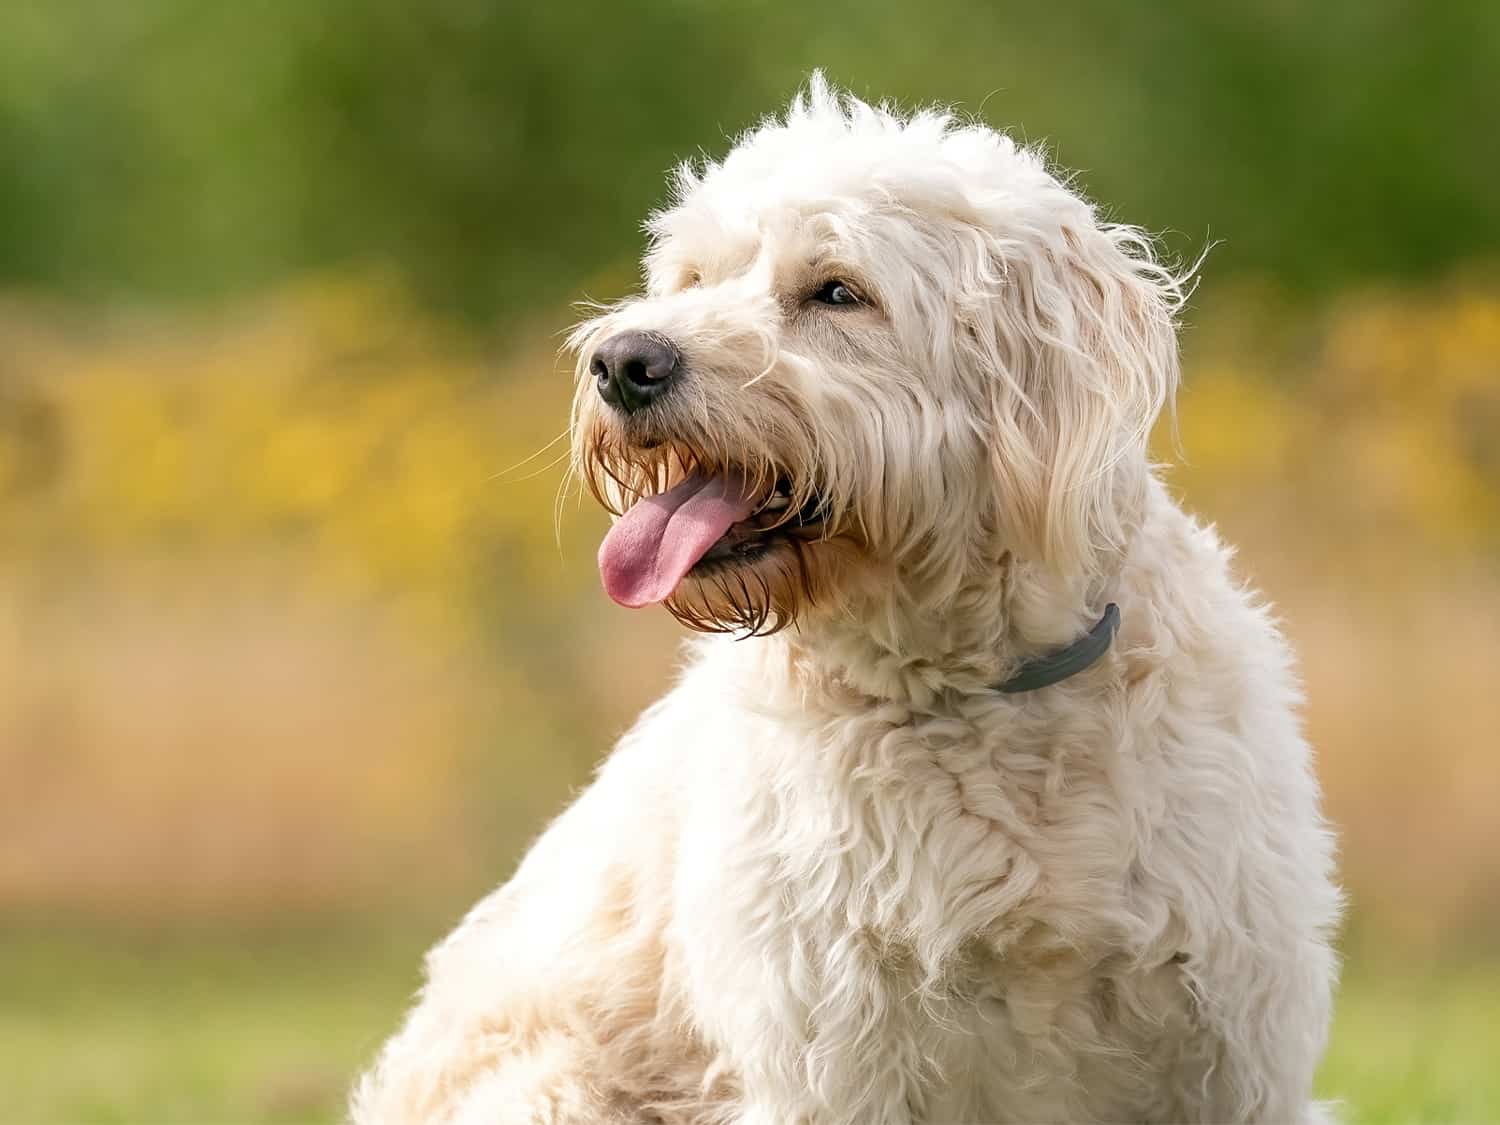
[{"x": 634, "y": 369}]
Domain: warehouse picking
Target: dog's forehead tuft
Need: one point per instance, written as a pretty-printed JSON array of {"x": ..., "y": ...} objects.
[{"x": 831, "y": 154}]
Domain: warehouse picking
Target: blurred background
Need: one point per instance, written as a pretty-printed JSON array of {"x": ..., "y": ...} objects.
[{"x": 292, "y": 660}]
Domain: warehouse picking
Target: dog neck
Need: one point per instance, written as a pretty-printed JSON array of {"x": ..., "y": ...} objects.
[{"x": 888, "y": 642}]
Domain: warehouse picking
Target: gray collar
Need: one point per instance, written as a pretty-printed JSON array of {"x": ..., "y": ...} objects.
[{"x": 1044, "y": 671}]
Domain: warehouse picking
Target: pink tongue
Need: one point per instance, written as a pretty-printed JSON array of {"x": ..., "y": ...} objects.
[{"x": 657, "y": 541}]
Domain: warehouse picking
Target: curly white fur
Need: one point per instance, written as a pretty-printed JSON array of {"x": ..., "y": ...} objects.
[{"x": 833, "y": 877}]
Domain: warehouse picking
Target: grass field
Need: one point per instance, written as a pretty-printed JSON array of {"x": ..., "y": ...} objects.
[{"x": 216, "y": 1030}]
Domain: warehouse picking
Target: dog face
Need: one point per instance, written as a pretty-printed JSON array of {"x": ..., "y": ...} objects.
[{"x": 873, "y": 352}]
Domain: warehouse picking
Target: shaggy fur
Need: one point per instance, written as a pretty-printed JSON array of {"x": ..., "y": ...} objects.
[{"x": 833, "y": 876}]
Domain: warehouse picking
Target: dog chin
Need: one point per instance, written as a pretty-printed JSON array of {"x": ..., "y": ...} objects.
[
  {"x": 792, "y": 581},
  {"x": 758, "y": 591}
]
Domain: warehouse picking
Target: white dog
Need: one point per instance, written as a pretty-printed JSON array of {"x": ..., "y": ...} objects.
[{"x": 938, "y": 843}]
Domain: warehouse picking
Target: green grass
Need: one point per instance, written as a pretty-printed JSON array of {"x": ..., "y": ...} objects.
[
  {"x": 213, "y": 1029},
  {"x": 209, "y": 1029},
  {"x": 1416, "y": 1045}
]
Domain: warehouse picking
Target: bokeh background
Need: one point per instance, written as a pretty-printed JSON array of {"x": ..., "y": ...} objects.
[{"x": 299, "y": 644}]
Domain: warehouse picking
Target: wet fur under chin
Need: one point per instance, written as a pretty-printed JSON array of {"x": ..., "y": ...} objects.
[
  {"x": 756, "y": 598},
  {"x": 796, "y": 576}
]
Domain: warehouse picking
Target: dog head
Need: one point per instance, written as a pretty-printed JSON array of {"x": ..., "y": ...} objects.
[{"x": 873, "y": 351}]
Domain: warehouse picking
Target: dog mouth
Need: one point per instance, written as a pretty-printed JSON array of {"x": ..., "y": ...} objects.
[{"x": 705, "y": 523}]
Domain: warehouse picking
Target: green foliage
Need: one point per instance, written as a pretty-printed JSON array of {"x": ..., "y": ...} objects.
[{"x": 497, "y": 153}]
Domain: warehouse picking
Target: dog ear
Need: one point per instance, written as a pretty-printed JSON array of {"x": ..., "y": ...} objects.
[{"x": 1077, "y": 338}]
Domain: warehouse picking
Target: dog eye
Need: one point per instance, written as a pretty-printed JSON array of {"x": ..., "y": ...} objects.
[{"x": 835, "y": 293}]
